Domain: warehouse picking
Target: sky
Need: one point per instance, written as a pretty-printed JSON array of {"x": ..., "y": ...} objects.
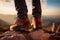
[
  {"x": 52, "y": 7},
  {"x": 54, "y": 3},
  {"x": 49, "y": 7}
]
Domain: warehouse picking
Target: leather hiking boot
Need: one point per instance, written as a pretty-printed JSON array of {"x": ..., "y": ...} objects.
[
  {"x": 22, "y": 25},
  {"x": 38, "y": 23}
]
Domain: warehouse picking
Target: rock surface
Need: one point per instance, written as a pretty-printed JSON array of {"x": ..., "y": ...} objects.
[{"x": 35, "y": 35}]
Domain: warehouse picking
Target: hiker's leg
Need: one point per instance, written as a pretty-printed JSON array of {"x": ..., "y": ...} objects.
[
  {"x": 22, "y": 22},
  {"x": 37, "y": 13}
]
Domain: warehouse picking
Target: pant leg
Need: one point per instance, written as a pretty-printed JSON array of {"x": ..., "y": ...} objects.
[
  {"x": 21, "y": 8},
  {"x": 37, "y": 8}
]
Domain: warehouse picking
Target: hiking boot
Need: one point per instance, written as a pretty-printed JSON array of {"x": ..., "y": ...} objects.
[
  {"x": 38, "y": 22},
  {"x": 22, "y": 25}
]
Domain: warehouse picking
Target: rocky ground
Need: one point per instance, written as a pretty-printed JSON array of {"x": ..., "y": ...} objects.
[{"x": 35, "y": 35}]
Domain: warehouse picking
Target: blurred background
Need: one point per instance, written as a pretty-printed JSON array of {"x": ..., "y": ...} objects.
[{"x": 50, "y": 13}]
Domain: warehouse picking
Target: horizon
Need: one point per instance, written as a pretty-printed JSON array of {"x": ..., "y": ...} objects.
[{"x": 28, "y": 14}]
